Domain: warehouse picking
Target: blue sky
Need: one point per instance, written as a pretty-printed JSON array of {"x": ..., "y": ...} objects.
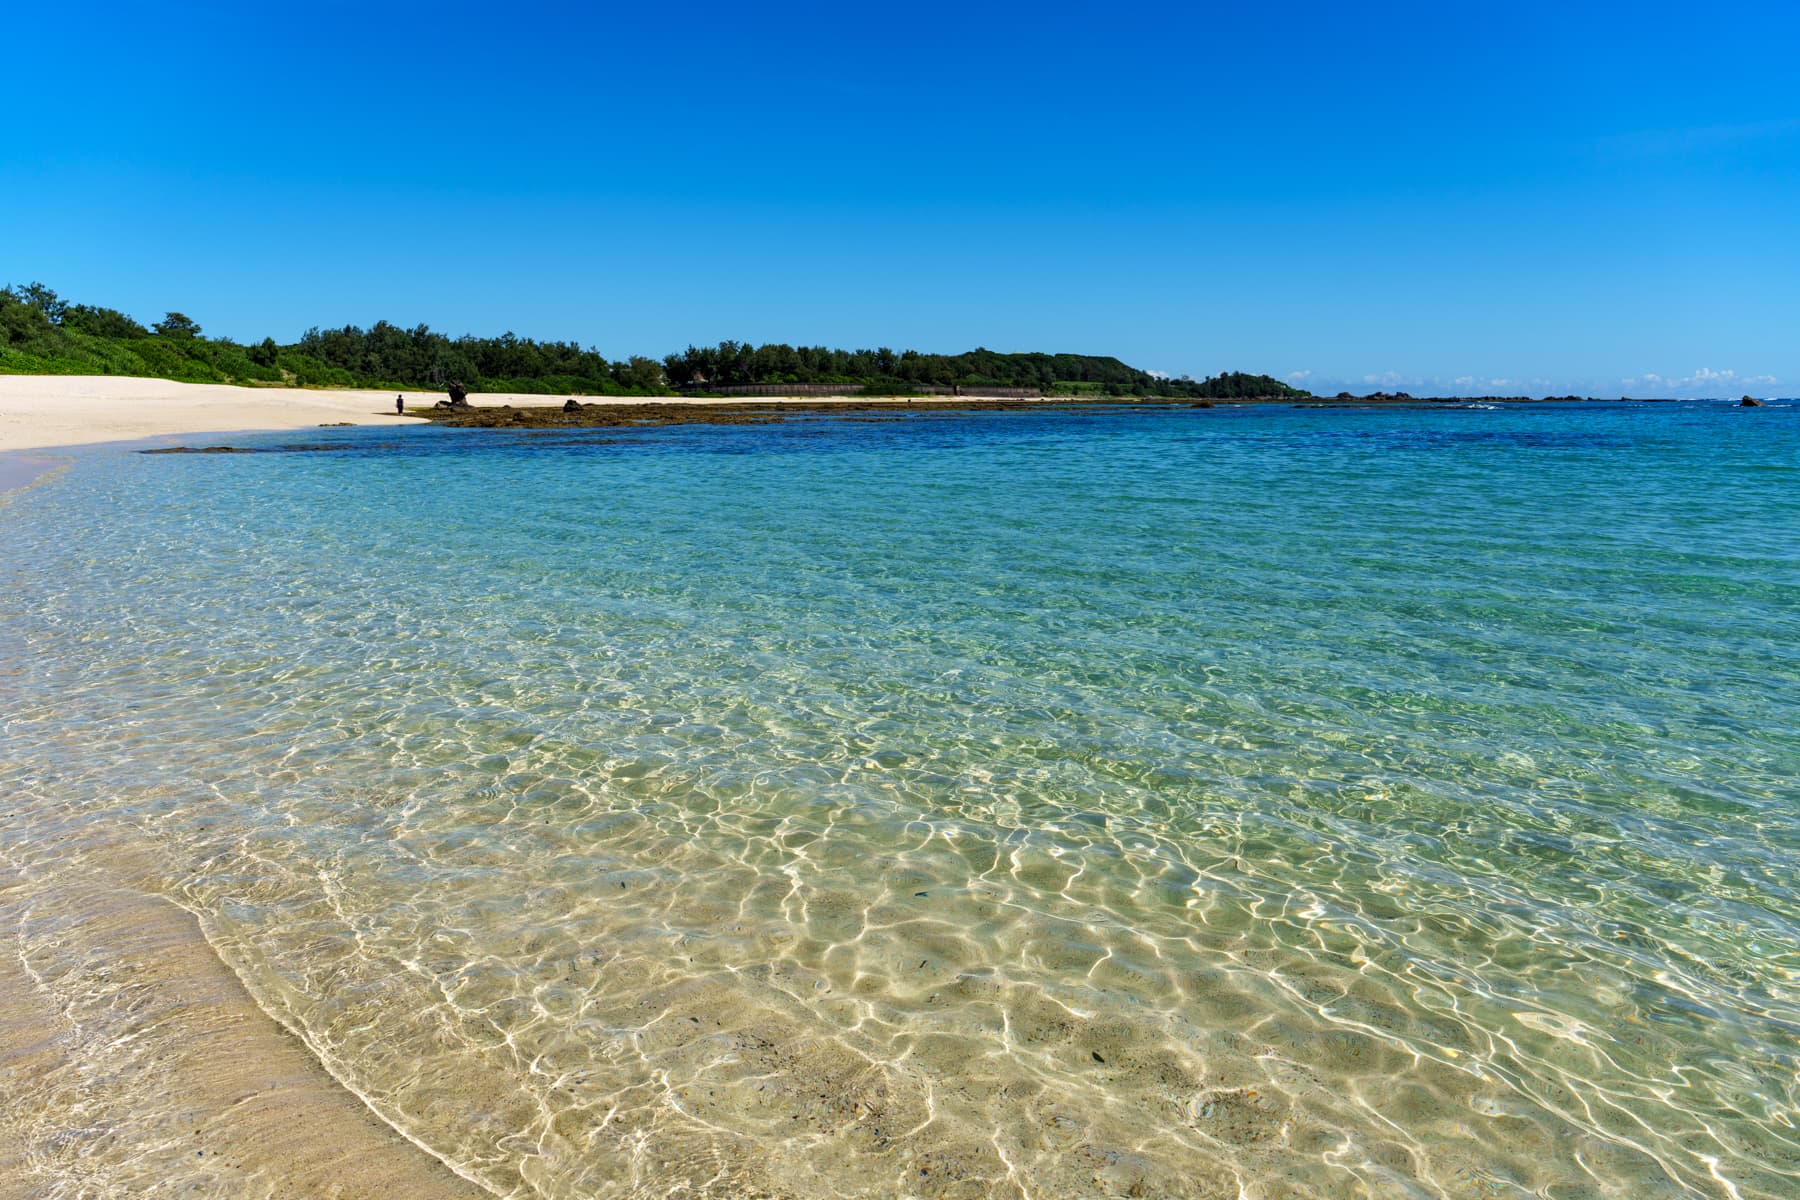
[{"x": 1499, "y": 198}]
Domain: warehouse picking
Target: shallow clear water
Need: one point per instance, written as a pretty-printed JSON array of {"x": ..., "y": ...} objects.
[{"x": 1265, "y": 802}]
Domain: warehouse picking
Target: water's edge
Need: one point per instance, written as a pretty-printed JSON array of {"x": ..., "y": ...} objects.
[
  {"x": 1200, "y": 804},
  {"x": 116, "y": 988}
]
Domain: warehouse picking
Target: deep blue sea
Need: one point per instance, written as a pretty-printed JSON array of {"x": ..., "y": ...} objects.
[{"x": 1264, "y": 802}]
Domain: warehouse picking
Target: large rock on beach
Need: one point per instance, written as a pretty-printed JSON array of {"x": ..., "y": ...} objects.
[{"x": 571, "y": 405}]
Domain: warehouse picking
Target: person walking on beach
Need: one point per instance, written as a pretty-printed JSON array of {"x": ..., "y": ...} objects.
[{"x": 400, "y": 406}]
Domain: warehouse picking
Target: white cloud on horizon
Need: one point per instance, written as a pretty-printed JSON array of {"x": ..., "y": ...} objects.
[
  {"x": 1392, "y": 379},
  {"x": 1704, "y": 381},
  {"x": 1700, "y": 383},
  {"x": 1438, "y": 385}
]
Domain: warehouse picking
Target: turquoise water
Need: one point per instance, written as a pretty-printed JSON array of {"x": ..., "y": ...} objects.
[{"x": 1267, "y": 802}]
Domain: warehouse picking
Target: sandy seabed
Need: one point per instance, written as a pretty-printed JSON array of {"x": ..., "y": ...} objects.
[
  {"x": 101, "y": 974},
  {"x": 92, "y": 966},
  {"x": 110, "y": 994}
]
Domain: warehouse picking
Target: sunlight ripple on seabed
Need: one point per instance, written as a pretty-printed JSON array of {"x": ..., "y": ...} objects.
[{"x": 1042, "y": 807}]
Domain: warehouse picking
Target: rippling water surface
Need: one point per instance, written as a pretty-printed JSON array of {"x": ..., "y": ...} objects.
[{"x": 1265, "y": 802}]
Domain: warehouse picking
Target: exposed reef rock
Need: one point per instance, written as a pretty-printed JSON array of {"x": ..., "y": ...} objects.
[
  {"x": 574, "y": 414},
  {"x": 1750, "y": 402},
  {"x": 285, "y": 448},
  {"x": 459, "y": 396}
]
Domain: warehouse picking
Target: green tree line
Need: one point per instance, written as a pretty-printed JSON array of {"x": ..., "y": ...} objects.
[{"x": 41, "y": 333}]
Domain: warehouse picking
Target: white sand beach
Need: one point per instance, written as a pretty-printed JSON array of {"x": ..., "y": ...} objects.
[
  {"x": 39, "y": 411},
  {"x": 42, "y": 411}
]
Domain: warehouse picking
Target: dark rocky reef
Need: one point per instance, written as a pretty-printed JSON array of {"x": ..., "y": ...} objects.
[
  {"x": 574, "y": 414},
  {"x": 284, "y": 448},
  {"x": 610, "y": 413},
  {"x": 1750, "y": 402}
]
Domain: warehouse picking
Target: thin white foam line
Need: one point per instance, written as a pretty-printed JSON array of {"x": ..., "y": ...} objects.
[
  {"x": 318, "y": 1055},
  {"x": 256, "y": 1000}
]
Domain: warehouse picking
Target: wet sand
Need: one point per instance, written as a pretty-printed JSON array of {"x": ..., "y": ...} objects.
[{"x": 110, "y": 993}]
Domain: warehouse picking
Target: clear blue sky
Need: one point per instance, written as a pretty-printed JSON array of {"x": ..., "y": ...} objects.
[{"x": 1507, "y": 197}]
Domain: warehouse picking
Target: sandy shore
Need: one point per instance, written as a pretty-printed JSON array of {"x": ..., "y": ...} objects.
[
  {"x": 39, "y": 411},
  {"x": 139, "y": 1065},
  {"x": 42, "y": 411}
]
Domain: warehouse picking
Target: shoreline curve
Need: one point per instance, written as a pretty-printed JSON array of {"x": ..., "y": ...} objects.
[{"x": 144, "y": 1061}]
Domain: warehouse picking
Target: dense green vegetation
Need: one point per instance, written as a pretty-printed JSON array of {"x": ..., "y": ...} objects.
[{"x": 40, "y": 333}]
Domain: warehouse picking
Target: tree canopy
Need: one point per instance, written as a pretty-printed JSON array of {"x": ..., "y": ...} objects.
[{"x": 43, "y": 334}]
